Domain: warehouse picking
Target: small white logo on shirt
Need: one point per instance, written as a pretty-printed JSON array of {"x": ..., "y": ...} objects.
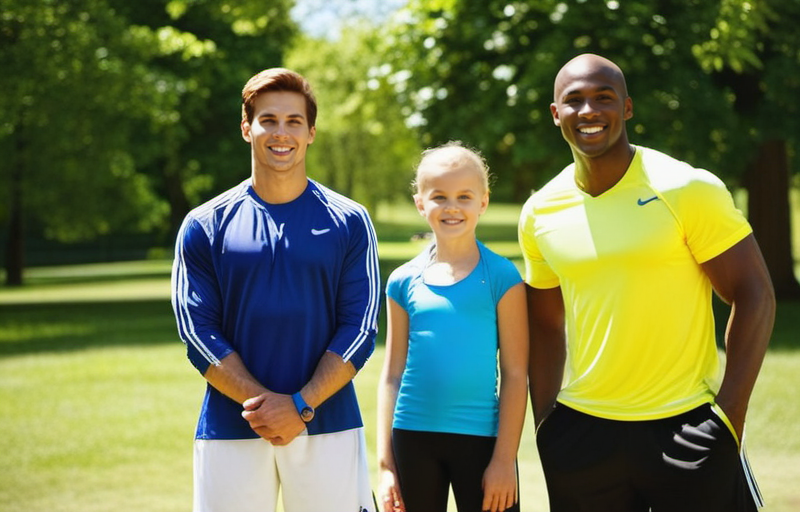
[{"x": 319, "y": 231}]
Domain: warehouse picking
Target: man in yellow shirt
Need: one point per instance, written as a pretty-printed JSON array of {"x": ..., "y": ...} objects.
[{"x": 622, "y": 251}]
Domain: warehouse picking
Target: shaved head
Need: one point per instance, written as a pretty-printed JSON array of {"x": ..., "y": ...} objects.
[{"x": 589, "y": 64}]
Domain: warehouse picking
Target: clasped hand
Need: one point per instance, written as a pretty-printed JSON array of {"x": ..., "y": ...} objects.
[{"x": 274, "y": 417}]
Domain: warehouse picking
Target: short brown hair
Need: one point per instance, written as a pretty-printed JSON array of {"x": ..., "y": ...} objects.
[{"x": 278, "y": 79}]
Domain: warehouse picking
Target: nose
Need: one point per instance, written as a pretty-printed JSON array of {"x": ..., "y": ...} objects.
[
  {"x": 451, "y": 206},
  {"x": 281, "y": 131},
  {"x": 587, "y": 109}
]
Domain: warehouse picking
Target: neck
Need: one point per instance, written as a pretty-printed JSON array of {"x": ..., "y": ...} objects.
[
  {"x": 452, "y": 262},
  {"x": 595, "y": 175},
  {"x": 278, "y": 188},
  {"x": 457, "y": 251}
]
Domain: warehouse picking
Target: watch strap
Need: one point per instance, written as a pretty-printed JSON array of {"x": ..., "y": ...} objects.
[{"x": 303, "y": 409}]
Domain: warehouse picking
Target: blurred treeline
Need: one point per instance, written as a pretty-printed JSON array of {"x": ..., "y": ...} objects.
[{"x": 118, "y": 116}]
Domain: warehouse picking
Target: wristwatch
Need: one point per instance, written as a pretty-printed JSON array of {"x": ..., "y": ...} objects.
[{"x": 305, "y": 411}]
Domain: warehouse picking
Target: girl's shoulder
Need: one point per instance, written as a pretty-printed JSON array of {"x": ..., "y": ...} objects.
[
  {"x": 412, "y": 268},
  {"x": 497, "y": 261}
]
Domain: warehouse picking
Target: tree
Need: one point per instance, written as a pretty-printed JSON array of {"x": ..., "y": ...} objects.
[
  {"x": 119, "y": 115},
  {"x": 484, "y": 72},
  {"x": 72, "y": 79},
  {"x": 752, "y": 54},
  {"x": 212, "y": 49},
  {"x": 363, "y": 147}
]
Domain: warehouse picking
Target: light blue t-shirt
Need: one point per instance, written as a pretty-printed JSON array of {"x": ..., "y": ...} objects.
[{"x": 450, "y": 380}]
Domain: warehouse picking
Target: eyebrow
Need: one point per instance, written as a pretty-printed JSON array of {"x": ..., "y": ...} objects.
[
  {"x": 293, "y": 116},
  {"x": 466, "y": 190},
  {"x": 602, "y": 88}
]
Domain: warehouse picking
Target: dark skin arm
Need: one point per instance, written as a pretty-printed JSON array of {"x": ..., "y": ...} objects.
[
  {"x": 740, "y": 278},
  {"x": 548, "y": 351}
]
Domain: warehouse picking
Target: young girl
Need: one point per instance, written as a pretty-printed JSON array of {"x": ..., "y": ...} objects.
[{"x": 454, "y": 311}]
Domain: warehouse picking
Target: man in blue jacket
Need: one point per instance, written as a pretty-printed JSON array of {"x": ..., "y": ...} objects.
[{"x": 275, "y": 289}]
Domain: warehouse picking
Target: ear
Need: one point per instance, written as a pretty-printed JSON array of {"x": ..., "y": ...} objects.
[
  {"x": 484, "y": 202},
  {"x": 246, "y": 131},
  {"x": 312, "y": 133},
  {"x": 628, "y": 108},
  {"x": 419, "y": 205},
  {"x": 554, "y": 113}
]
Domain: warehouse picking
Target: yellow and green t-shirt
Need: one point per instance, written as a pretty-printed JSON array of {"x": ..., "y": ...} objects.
[{"x": 640, "y": 328}]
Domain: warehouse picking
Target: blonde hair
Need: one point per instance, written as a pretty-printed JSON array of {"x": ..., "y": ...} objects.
[{"x": 452, "y": 154}]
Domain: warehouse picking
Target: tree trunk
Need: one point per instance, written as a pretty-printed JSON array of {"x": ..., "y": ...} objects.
[
  {"x": 767, "y": 183},
  {"x": 15, "y": 246},
  {"x": 176, "y": 195},
  {"x": 174, "y": 183}
]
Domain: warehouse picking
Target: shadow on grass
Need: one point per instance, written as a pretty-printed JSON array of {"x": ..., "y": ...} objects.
[
  {"x": 64, "y": 327},
  {"x": 66, "y": 279}
]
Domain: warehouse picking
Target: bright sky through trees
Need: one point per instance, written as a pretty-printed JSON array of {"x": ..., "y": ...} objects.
[{"x": 324, "y": 18}]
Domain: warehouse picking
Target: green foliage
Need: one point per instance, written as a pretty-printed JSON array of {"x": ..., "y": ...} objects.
[
  {"x": 483, "y": 72},
  {"x": 206, "y": 51},
  {"x": 363, "y": 147},
  {"x": 71, "y": 96},
  {"x": 119, "y": 116}
]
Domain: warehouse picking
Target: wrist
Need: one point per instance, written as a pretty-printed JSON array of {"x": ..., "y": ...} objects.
[{"x": 305, "y": 411}]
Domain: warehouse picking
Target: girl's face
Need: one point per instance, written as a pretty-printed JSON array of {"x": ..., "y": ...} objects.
[{"x": 452, "y": 196}]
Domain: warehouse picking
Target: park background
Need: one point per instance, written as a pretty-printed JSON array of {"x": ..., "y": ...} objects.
[{"x": 117, "y": 117}]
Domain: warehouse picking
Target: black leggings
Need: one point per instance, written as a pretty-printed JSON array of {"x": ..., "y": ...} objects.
[{"x": 428, "y": 463}]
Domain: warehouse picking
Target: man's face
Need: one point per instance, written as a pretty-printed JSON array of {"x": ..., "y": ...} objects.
[
  {"x": 279, "y": 133},
  {"x": 591, "y": 107}
]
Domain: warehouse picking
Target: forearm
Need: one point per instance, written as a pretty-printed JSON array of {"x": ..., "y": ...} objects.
[
  {"x": 747, "y": 338},
  {"x": 331, "y": 375},
  {"x": 740, "y": 277},
  {"x": 513, "y": 401},
  {"x": 547, "y": 373},
  {"x": 387, "y": 399},
  {"x": 548, "y": 351},
  {"x": 232, "y": 378}
]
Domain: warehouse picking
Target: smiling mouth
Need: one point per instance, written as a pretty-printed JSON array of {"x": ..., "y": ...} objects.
[
  {"x": 591, "y": 130},
  {"x": 280, "y": 150},
  {"x": 451, "y": 222}
]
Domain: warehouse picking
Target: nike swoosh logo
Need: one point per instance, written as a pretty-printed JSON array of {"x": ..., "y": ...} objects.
[
  {"x": 642, "y": 202},
  {"x": 319, "y": 231}
]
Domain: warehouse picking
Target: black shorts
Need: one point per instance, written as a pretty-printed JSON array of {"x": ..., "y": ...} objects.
[
  {"x": 428, "y": 463},
  {"x": 685, "y": 463}
]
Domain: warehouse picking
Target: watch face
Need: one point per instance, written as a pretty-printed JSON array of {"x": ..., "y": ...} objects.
[{"x": 307, "y": 414}]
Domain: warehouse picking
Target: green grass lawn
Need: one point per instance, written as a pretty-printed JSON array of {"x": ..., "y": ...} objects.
[{"x": 98, "y": 402}]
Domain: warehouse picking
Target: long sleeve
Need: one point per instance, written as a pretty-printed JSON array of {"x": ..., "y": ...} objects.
[
  {"x": 196, "y": 298},
  {"x": 358, "y": 297}
]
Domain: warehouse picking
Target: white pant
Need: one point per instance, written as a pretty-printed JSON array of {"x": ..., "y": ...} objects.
[{"x": 318, "y": 473}]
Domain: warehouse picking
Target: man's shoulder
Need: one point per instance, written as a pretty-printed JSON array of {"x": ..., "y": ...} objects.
[
  {"x": 207, "y": 210},
  {"x": 560, "y": 188},
  {"x": 336, "y": 200},
  {"x": 667, "y": 173}
]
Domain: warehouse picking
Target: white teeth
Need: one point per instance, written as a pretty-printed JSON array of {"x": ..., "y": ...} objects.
[
  {"x": 593, "y": 129},
  {"x": 451, "y": 221},
  {"x": 280, "y": 149}
]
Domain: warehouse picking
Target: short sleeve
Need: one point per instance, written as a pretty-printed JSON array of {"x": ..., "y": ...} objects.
[
  {"x": 504, "y": 275},
  {"x": 538, "y": 272},
  {"x": 710, "y": 219}
]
